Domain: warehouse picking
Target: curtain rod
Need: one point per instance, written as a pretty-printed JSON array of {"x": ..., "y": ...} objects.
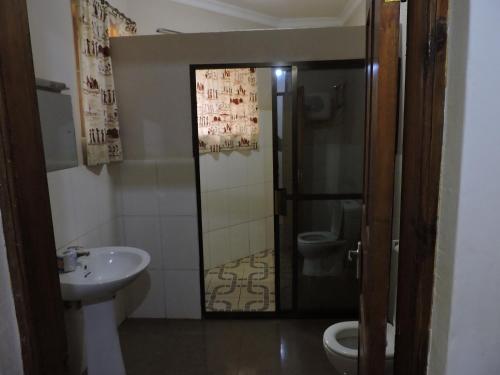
[{"x": 162, "y": 30}]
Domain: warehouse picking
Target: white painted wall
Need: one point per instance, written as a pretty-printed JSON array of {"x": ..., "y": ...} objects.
[
  {"x": 158, "y": 211},
  {"x": 157, "y": 178},
  {"x": 153, "y": 14},
  {"x": 10, "y": 346},
  {"x": 237, "y": 192},
  {"x": 466, "y": 312},
  {"x": 53, "y": 47},
  {"x": 358, "y": 16},
  {"x": 83, "y": 200}
]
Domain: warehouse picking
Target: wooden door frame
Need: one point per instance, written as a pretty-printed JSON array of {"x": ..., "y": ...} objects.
[
  {"x": 25, "y": 205},
  {"x": 422, "y": 144}
]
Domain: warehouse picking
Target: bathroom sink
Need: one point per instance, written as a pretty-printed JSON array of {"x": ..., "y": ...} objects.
[{"x": 102, "y": 273}]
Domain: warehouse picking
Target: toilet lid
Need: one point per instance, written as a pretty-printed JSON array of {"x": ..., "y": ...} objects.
[
  {"x": 334, "y": 332},
  {"x": 317, "y": 237}
]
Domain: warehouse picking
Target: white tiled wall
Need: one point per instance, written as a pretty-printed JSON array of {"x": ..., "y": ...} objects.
[
  {"x": 157, "y": 205},
  {"x": 84, "y": 210},
  {"x": 83, "y": 206},
  {"x": 10, "y": 347},
  {"x": 237, "y": 200}
]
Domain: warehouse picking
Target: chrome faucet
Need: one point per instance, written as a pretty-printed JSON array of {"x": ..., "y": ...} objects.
[{"x": 79, "y": 251}]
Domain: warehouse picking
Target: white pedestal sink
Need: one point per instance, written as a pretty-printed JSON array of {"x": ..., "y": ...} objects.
[{"x": 95, "y": 282}]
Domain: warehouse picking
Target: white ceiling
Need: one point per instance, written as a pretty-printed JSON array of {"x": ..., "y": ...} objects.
[
  {"x": 282, "y": 13},
  {"x": 292, "y": 8}
]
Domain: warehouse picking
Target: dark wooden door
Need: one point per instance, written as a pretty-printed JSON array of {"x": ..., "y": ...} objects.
[
  {"x": 25, "y": 204},
  {"x": 382, "y": 54}
]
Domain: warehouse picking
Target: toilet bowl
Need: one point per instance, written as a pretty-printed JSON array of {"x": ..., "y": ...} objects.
[
  {"x": 324, "y": 251},
  {"x": 341, "y": 347}
]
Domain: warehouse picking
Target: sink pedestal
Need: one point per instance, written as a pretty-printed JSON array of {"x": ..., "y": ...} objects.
[{"x": 104, "y": 354}]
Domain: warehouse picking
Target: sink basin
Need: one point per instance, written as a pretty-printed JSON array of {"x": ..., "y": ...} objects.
[
  {"x": 101, "y": 274},
  {"x": 95, "y": 282}
]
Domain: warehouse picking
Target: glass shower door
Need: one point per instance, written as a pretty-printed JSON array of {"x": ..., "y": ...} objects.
[{"x": 320, "y": 164}]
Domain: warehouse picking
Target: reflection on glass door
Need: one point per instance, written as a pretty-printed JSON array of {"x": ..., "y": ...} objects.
[
  {"x": 320, "y": 130},
  {"x": 283, "y": 96}
]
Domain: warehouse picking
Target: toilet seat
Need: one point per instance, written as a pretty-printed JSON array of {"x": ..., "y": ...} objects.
[
  {"x": 331, "y": 338},
  {"x": 341, "y": 330},
  {"x": 313, "y": 238}
]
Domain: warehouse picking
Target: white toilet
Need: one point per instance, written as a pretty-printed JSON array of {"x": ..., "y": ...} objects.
[
  {"x": 341, "y": 346},
  {"x": 324, "y": 252}
]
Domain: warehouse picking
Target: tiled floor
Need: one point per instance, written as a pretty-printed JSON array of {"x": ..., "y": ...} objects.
[
  {"x": 246, "y": 284},
  {"x": 224, "y": 347}
]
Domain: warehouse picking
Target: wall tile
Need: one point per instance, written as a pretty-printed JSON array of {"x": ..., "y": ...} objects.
[
  {"x": 91, "y": 239},
  {"x": 207, "y": 258},
  {"x": 112, "y": 233},
  {"x": 139, "y": 192},
  {"x": 238, "y": 241},
  {"x": 204, "y": 170},
  {"x": 177, "y": 187},
  {"x": 257, "y": 201},
  {"x": 205, "y": 217},
  {"x": 146, "y": 296},
  {"x": 266, "y": 128},
  {"x": 63, "y": 206},
  {"x": 217, "y": 170},
  {"x": 180, "y": 243},
  {"x": 270, "y": 232},
  {"x": 143, "y": 232},
  {"x": 105, "y": 191},
  {"x": 257, "y": 236},
  {"x": 269, "y": 198},
  {"x": 255, "y": 167},
  {"x": 217, "y": 209},
  {"x": 87, "y": 196},
  {"x": 182, "y": 294},
  {"x": 237, "y": 168},
  {"x": 219, "y": 246},
  {"x": 238, "y": 205},
  {"x": 268, "y": 164}
]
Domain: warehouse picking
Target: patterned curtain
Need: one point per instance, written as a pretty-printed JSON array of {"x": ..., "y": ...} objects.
[
  {"x": 95, "y": 22},
  {"x": 227, "y": 109}
]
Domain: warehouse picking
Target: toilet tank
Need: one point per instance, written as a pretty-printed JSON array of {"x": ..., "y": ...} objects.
[
  {"x": 351, "y": 228},
  {"x": 337, "y": 218}
]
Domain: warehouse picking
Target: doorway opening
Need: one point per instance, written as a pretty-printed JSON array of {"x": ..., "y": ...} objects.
[{"x": 279, "y": 200}]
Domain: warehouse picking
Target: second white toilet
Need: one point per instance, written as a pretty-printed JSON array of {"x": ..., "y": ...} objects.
[
  {"x": 340, "y": 342},
  {"x": 324, "y": 251}
]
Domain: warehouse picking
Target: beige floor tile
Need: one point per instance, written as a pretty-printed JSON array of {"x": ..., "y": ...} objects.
[{"x": 230, "y": 290}]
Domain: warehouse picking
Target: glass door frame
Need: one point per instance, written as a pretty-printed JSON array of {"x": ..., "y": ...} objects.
[{"x": 295, "y": 198}]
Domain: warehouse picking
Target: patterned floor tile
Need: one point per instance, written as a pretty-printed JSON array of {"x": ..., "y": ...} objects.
[{"x": 246, "y": 284}]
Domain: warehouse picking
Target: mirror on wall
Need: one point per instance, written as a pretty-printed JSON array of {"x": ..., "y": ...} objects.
[{"x": 58, "y": 129}]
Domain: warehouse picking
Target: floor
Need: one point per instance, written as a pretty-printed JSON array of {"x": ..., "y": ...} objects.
[
  {"x": 246, "y": 284},
  {"x": 224, "y": 347}
]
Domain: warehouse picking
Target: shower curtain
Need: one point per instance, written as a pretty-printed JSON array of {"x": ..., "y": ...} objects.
[
  {"x": 95, "y": 21},
  {"x": 227, "y": 108}
]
